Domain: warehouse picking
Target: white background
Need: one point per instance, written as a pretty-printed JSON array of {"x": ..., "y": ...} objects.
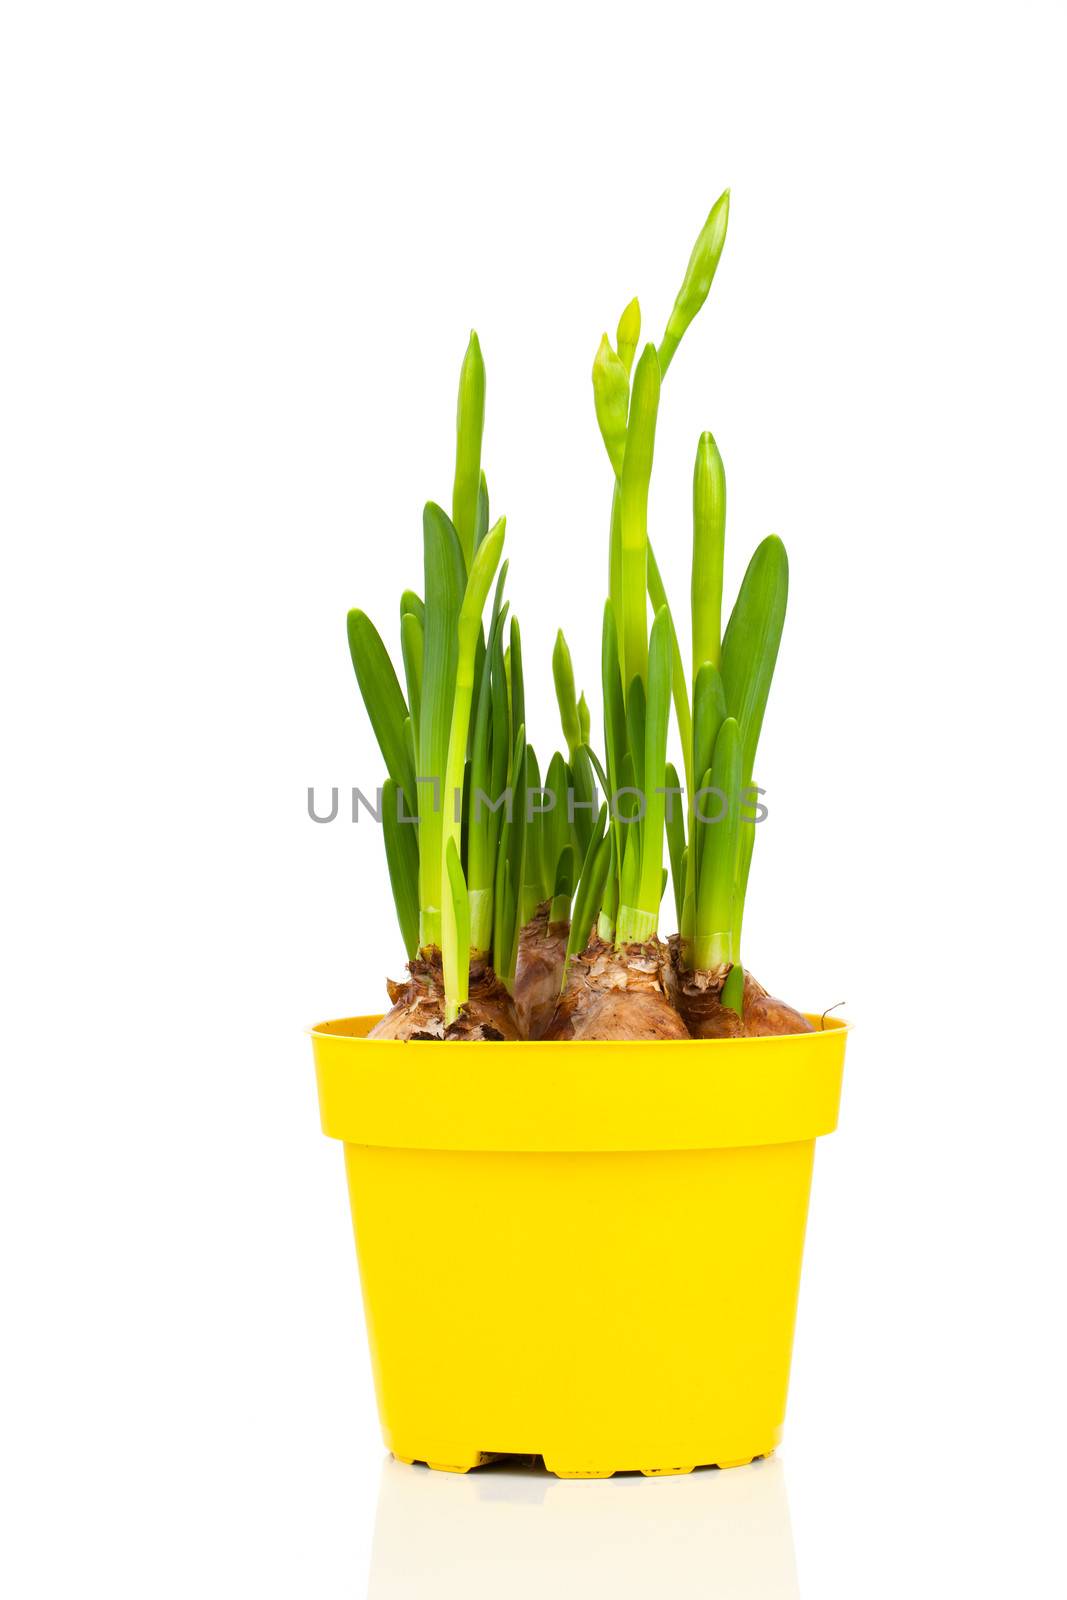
[{"x": 243, "y": 248}]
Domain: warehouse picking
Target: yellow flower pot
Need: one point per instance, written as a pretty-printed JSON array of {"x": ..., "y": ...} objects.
[{"x": 586, "y": 1252}]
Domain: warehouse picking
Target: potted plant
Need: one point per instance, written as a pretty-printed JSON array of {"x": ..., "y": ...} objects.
[{"x": 584, "y": 1243}]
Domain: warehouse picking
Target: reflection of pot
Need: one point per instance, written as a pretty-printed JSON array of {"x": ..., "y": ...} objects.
[
  {"x": 587, "y": 1252},
  {"x": 717, "y": 1535}
]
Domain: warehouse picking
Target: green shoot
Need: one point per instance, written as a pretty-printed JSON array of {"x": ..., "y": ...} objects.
[
  {"x": 657, "y": 713},
  {"x": 614, "y": 715},
  {"x": 516, "y": 853},
  {"x": 556, "y": 830},
  {"x": 566, "y": 699},
  {"x": 703, "y": 263},
  {"x": 709, "y": 532},
  {"x": 710, "y": 701},
  {"x": 733, "y": 990},
  {"x": 410, "y": 602},
  {"x": 634, "y": 481},
  {"x": 516, "y": 689},
  {"x": 609, "y": 904},
  {"x": 445, "y": 584},
  {"x": 628, "y": 334},
  {"x": 500, "y": 745},
  {"x": 563, "y": 887},
  {"x": 635, "y": 732},
  {"x": 481, "y": 527},
  {"x": 718, "y": 851},
  {"x": 481, "y": 836},
  {"x": 590, "y": 887},
  {"x": 470, "y": 420},
  {"x": 584, "y": 797},
  {"x": 584, "y": 720},
  {"x": 675, "y": 826},
  {"x": 658, "y": 595},
  {"x": 455, "y": 952},
  {"x": 615, "y": 562},
  {"x": 533, "y": 890},
  {"x": 506, "y": 927},
  {"x": 468, "y": 631},
  {"x": 450, "y": 746},
  {"x": 411, "y": 646},
  {"x": 611, "y": 397},
  {"x": 575, "y": 731}
]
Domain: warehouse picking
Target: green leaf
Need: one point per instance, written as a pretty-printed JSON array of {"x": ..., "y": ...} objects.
[
  {"x": 481, "y": 525},
  {"x": 505, "y": 909},
  {"x": 533, "y": 872},
  {"x": 411, "y": 646},
  {"x": 501, "y": 736},
  {"x": 590, "y": 886},
  {"x": 614, "y": 713},
  {"x": 383, "y": 698},
  {"x": 701, "y": 829},
  {"x": 615, "y": 566},
  {"x": 745, "y": 843},
  {"x": 657, "y": 716},
  {"x": 709, "y": 706},
  {"x": 627, "y": 806},
  {"x": 675, "y": 826},
  {"x": 402, "y": 859},
  {"x": 482, "y": 826},
  {"x": 556, "y": 831},
  {"x": 750, "y": 644},
  {"x": 584, "y": 786},
  {"x": 516, "y": 852},
  {"x": 409, "y": 739},
  {"x": 609, "y": 900},
  {"x": 687, "y": 901},
  {"x": 709, "y": 712},
  {"x": 594, "y": 762},
  {"x": 411, "y": 603},
  {"x": 515, "y": 679},
  {"x": 635, "y": 730},
  {"x": 629, "y": 884},
  {"x": 482, "y": 744},
  {"x": 563, "y": 887}
]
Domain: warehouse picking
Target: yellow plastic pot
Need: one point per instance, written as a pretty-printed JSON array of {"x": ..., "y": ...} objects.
[{"x": 586, "y": 1252}]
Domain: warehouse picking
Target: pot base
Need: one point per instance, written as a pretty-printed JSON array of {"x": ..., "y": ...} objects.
[
  {"x": 470, "y": 1460},
  {"x": 626, "y": 1311}
]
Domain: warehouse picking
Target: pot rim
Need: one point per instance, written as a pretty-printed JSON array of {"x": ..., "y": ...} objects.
[
  {"x": 357, "y": 1027},
  {"x": 677, "y": 1094}
]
